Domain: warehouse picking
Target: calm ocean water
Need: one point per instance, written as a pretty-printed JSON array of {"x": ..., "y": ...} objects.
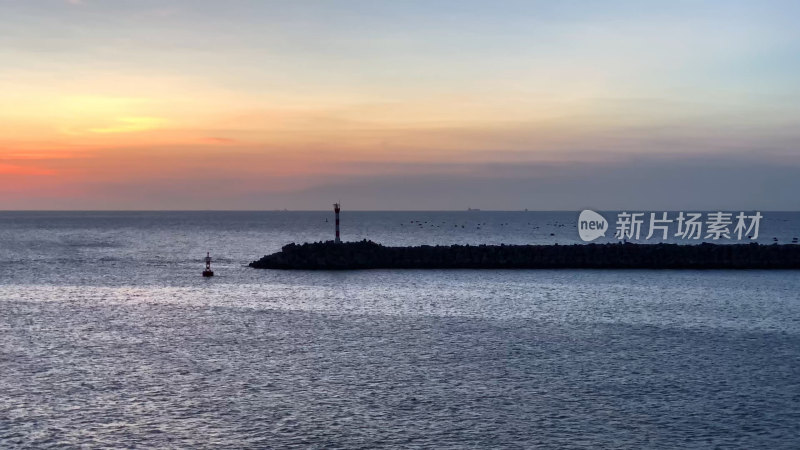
[{"x": 109, "y": 337}]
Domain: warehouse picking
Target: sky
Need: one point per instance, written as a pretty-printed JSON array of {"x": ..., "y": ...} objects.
[{"x": 410, "y": 105}]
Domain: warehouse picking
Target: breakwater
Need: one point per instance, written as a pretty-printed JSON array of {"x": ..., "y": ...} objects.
[{"x": 370, "y": 255}]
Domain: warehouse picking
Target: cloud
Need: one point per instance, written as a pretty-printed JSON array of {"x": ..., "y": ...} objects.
[
  {"x": 657, "y": 183},
  {"x": 130, "y": 125},
  {"x": 641, "y": 183},
  {"x": 218, "y": 140},
  {"x": 8, "y": 169}
]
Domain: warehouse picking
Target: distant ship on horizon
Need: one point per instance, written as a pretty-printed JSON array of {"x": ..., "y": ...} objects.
[{"x": 473, "y": 209}]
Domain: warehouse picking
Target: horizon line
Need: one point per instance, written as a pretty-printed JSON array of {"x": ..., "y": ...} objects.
[{"x": 392, "y": 210}]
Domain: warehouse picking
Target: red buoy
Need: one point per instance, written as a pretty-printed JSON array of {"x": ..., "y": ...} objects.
[{"x": 208, "y": 272}]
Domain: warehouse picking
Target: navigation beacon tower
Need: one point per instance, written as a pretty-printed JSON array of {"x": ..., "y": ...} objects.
[{"x": 336, "y": 210}]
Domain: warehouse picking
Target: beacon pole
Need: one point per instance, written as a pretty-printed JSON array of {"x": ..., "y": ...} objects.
[{"x": 336, "y": 209}]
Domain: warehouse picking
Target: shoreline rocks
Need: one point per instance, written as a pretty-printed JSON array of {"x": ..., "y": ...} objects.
[{"x": 370, "y": 255}]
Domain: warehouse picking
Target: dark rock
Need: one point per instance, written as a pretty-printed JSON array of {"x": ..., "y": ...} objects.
[{"x": 369, "y": 255}]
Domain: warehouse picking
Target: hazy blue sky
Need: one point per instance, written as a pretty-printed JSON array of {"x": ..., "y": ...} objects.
[{"x": 399, "y": 104}]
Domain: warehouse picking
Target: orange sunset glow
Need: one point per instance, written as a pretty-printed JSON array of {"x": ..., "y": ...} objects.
[{"x": 265, "y": 104}]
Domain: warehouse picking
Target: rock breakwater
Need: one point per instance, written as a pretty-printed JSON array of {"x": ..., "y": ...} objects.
[{"x": 370, "y": 255}]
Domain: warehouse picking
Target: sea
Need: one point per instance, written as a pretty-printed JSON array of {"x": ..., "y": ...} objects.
[{"x": 111, "y": 338}]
